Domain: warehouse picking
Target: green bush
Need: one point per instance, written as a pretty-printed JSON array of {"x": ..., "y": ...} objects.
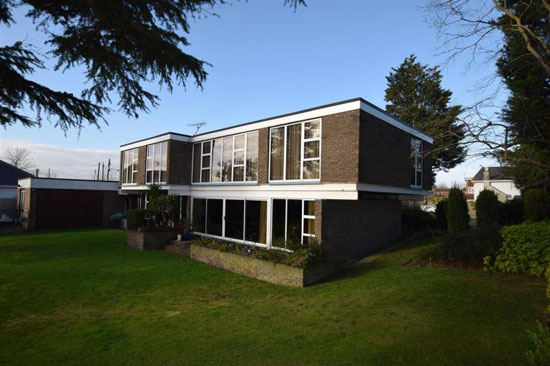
[
  {"x": 413, "y": 217},
  {"x": 486, "y": 208},
  {"x": 472, "y": 246},
  {"x": 525, "y": 249},
  {"x": 510, "y": 212},
  {"x": 540, "y": 356},
  {"x": 457, "y": 213},
  {"x": 536, "y": 204},
  {"x": 135, "y": 219},
  {"x": 441, "y": 214}
]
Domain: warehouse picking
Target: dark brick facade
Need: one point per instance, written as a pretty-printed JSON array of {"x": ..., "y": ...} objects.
[
  {"x": 179, "y": 162},
  {"x": 340, "y": 147},
  {"x": 351, "y": 230},
  {"x": 263, "y": 155}
]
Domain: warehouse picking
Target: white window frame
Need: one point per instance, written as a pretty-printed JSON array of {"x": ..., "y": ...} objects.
[
  {"x": 233, "y": 151},
  {"x": 156, "y": 174},
  {"x": 128, "y": 175},
  {"x": 416, "y": 152},
  {"x": 303, "y": 234},
  {"x": 302, "y": 159},
  {"x": 204, "y": 155},
  {"x": 306, "y": 217}
]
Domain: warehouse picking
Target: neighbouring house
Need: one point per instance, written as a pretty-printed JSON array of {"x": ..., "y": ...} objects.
[
  {"x": 53, "y": 203},
  {"x": 335, "y": 174},
  {"x": 9, "y": 175},
  {"x": 494, "y": 179},
  {"x": 468, "y": 189},
  {"x": 441, "y": 192}
]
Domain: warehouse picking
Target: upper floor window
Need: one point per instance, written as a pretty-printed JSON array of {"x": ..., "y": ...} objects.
[
  {"x": 226, "y": 159},
  {"x": 129, "y": 166},
  {"x": 156, "y": 163},
  {"x": 295, "y": 151},
  {"x": 416, "y": 163}
]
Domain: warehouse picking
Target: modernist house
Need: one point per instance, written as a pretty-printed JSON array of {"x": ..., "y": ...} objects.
[
  {"x": 334, "y": 174},
  {"x": 493, "y": 178}
]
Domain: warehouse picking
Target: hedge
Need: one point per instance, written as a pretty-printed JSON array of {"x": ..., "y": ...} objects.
[{"x": 525, "y": 249}]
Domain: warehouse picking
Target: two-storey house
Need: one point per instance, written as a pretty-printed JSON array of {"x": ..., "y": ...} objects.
[{"x": 333, "y": 174}]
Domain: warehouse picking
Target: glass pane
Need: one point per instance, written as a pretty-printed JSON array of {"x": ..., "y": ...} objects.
[
  {"x": 256, "y": 221},
  {"x": 214, "y": 217},
  {"x": 156, "y": 160},
  {"x": 311, "y": 149},
  {"x": 419, "y": 178},
  {"x": 164, "y": 161},
  {"x": 150, "y": 151},
  {"x": 277, "y": 153},
  {"x": 311, "y": 169},
  {"x": 134, "y": 177},
  {"x": 252, "y": 156},
  {"x": 278, "y": 224},
  {"x": 239, "y": 142},
  {"x": 206, "y": 161},
  {"x": 293, "y": 147},
  {"x": 205, "y": 176},
  {"x": 227, "y": 158},
  {"x": 234, "y": 219},
  {"x": 238, "y": 158},
  {"x": 308, "y": 240},
  {"x": 309, "y": 208},
  {"x": 294, "y": 222},
  {"x": 199, "y": 210},
  {"x": 196, "y": 162},
  {"x": 238, "y": 174},
  {"x": 309, "y": 226},
  {"x": 312, "y": 130},
  {"x": 206, "y": 147},
  {"x": 217, "y": 161}
]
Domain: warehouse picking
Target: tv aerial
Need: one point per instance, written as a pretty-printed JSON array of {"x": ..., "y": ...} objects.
[{"x": 197, "y": 125}]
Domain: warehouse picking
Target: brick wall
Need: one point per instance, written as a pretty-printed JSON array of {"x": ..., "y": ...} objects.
[
  {"x": 142, "y": 158},
  {"x": 351, "y": 230},
  {"x": 263, "y": 155},
  {"x": 384, "y": 157},
  {"x": 340, "y": 148},
  {"x": 179, "y": 162}
]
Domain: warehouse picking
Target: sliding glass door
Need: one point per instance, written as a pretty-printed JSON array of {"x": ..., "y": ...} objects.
[{"x": 231, "y": 219}]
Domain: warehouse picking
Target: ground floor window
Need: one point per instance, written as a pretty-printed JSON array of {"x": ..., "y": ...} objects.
[
  {"x": 243, "y": 220},
  {"x": 293, "y": 223}
]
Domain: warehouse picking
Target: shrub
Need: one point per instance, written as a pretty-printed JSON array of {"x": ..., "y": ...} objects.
[
  {"x": 486, "y": 208},
  {"x": 457, "y": 213},
  {"x": 413, "y": 217},
  {"x": 441, "y": 214},
  {"x": 525, "y": 249},
  {"x": 541, "y": 340},
  {"x": 135, "y": 219},
  {"x": 536, "y": 204},
  {"x": 510, "y": 212},
  {"x": 472, "y": 246}
]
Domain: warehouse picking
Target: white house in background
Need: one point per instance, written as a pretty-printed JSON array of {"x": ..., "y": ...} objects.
[
  {"x": 494, "y": 179},
  {"x": 9, "y": 175}
]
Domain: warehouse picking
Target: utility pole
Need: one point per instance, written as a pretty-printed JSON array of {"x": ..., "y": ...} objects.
[
  {"x": 108, "y": 168},
  {"x": 103, "y": 171},
  {"x": 37, "y": 172},
  {"x": 94, "y": 174},
  {"x": 49, "y": 173},
  {"x": 98, "y": 170}
]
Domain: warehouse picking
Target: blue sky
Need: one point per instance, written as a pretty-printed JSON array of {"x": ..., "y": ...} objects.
[{"x": 266, "y": 60}]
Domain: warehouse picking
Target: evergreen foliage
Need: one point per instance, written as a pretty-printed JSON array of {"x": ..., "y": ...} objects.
[
  {"x": 536, "y": 204},
  {"x": 414, "y": 94},
  {"x": 486, "y": 208},
  {"x": 441, "y": 214},
  {"x": 457, "y": 213}
]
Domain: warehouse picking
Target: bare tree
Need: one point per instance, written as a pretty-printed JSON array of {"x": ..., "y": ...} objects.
[
  {"x": 19, "y": 158},
  {"x": 476, "y": 28}
]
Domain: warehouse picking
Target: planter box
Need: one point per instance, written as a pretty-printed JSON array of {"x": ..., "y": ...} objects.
[
  {"x": 144, "y": 240},
  {"x": 279, "y": 274}
]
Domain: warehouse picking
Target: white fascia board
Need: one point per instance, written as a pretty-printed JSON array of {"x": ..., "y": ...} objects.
[
  {"x": 44, "y": 183},
  {"x": 304, "y": 116},
  {"x": 493, "y": 180},
  {"x": 154, "y": 140},
  {"x": 375, "y": 188},
  {"x": 395, "y": 122}
]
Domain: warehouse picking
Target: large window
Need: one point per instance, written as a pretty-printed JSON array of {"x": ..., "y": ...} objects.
[
  {"x": 295, "y": 152},
  {"x": 293, "y": 223},
  {"x": 129, "y": 166},
  {"x": 156, "y": 163},
  {"x": 416, "y": 163},
  {"x": 227, "y": 159},
  {"x": 233, "y": 219}
]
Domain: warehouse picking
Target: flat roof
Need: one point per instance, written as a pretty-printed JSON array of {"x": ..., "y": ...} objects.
[
  {"x": 69, "y": 184},
  {"x": 359, "y": 102}
]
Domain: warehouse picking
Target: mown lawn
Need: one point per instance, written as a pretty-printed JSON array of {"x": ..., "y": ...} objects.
[{"x": 82, "y": 297}]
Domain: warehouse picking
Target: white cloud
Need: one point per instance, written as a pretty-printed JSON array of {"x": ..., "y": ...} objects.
[
  {"x": 464, "y": 170},
  {"x": 65, "y": 162}
]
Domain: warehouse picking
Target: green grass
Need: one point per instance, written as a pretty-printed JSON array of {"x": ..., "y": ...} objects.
[{"x": 82, "y": 297}]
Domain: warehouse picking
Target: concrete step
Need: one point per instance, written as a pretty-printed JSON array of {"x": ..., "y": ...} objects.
[{"x": 179, "y": 248}]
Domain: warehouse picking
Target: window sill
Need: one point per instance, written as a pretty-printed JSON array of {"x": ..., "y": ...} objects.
[
  {"x": 415, "y": 187},
  {"x": 283, "y": 182},
  {"x": 225, "y": 184}
]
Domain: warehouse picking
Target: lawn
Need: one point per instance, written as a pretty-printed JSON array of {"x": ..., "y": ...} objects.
[{"x": 82, "y": 297}]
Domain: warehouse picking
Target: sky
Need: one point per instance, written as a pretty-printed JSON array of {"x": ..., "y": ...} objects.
[{"x": 266, "y": 60}]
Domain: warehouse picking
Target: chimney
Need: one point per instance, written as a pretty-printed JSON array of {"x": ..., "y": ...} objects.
[{"x": 486, "y": 175}]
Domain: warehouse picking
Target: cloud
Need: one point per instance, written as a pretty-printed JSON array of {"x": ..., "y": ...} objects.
[{"x": 64, "y": 162}]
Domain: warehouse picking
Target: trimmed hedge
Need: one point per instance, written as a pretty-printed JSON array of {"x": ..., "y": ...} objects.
[
  {"x": 536, "y": 204},
  {"x": 413, "y": 217},
  {"x": 510, "y": 212},
  {"x": 525, "y": 249},
  {"x": 458, "y": 218},
  {"x": 486, "y": 208}
]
